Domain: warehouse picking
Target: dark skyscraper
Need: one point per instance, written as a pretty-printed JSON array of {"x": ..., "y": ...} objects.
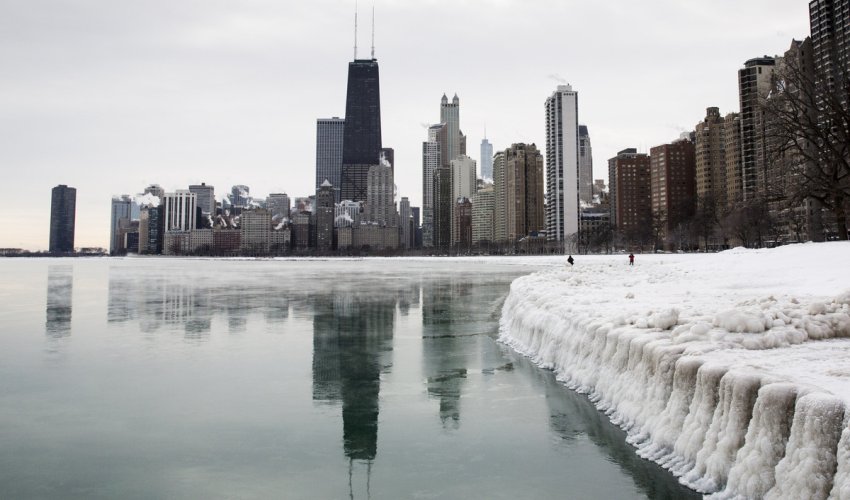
[
  {"x": 63, "y": 208},
  {"x": 361, "y": 145}
]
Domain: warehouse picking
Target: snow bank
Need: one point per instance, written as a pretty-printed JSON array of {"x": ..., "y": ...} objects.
[{"x": 731, "y": 370}]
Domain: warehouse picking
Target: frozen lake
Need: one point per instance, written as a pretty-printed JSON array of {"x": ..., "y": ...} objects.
[{"x": 162, "y": 378}]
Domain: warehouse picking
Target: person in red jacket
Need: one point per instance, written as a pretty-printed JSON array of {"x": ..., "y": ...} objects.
[{"x": 631, "y": 259}]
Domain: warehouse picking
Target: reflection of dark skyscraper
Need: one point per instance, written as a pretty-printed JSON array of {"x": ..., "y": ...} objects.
[
  {"x": 60, "y": 283},
  {"x": 350, "y": 335},
  {"x": 63, "y": 205},
  {"x": 361, "y": 145}
]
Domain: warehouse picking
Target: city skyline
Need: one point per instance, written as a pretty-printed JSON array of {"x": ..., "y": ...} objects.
[{"x": 231, "y": 95}]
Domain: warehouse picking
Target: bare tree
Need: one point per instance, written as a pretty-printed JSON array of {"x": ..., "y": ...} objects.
[{"x": 808, "y": 113}]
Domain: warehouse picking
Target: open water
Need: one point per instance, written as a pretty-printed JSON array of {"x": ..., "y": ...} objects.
[{"x": 330, "y": 379}]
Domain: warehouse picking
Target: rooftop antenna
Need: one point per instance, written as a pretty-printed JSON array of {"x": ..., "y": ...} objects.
[
  {"x": 373, "y": 30},
  {"x": 355, "y": 30}
]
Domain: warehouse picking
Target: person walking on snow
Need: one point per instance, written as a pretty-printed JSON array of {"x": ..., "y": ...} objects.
[
  {"x": 570, "y": 260},
  {"x": 631, "y": 259}
]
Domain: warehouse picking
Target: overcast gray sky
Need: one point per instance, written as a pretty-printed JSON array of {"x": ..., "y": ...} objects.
[{"x": 109, "y": 96}]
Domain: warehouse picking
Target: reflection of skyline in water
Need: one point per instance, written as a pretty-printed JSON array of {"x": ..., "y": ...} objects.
[
  {"x": 60, "y": 285},
  {"x": 182, "y": 300},
  {"x": 444, "y": 361},
  {"x": 352, "y": 345},
  {"x": 353, "y": 319},
  {"x": 572, "y": 416}
]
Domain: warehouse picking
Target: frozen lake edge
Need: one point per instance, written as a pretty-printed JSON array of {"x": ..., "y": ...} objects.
[{"x": 731, "y": 370}]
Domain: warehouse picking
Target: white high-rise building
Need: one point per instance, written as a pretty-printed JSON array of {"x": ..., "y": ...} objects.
[
  {"x": 180, "y": 212},
  {"x": 486, "y": 160},
  {"x": 431, "y": 159},
  {"x": 562, "y": 164}
]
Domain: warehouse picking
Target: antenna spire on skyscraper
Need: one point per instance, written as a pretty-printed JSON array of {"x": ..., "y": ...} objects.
[
  {"x": 373, "y": 30},
  {"x": 355, "y": 30}
]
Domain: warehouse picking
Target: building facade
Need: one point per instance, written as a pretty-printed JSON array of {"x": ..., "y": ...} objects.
[
  {"x": 754, "y": 83},
  {"x": 329, "y": 139},
  {"x": 585, "y": 166},
  {"x": 562, "y": 163},
  {"x": 279, "y": 205},
  {"x": 205, "y": 196},
  {"x": 486, "y": 160},
  {"x": 179, "y": 210},
  {"x": 361, "y": 145},
  {"x": 483, "y": 215},
  {"x": 405, "y": 224},
  {"x": 380, "y": 198},
  {"x": 524, "y": 180},
  {"x": 431, "y": 160},
  {"x": 463, "y": 186},
  {"x": 63, "y": 209},
  {"x": 255, "y": 228},
  {"x": 325, "y": 217},
  {"x": 672, "y": 184},
  {"x": 121, "y": 210},
  {"x": 633, "y": 194},
  {"x": 442, "y": 232},
  {"x": 710, "y": 151}
]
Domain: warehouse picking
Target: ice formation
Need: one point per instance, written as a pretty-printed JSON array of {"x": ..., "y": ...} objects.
[{"x": 731, "y": 370}]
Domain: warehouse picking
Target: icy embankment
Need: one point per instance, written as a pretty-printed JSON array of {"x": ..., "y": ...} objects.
[{"x": 731, "y": 370}]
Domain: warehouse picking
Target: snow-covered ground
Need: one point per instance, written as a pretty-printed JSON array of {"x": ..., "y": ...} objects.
[{"x": 732, "y": 370}]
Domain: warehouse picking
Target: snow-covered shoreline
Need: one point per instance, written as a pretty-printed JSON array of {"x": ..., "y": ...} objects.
[{"x": 732, "y": 370}]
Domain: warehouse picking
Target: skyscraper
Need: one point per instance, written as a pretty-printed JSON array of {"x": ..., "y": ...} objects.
[
  {"x": 562, "y": 164},
  {"x": 442, "y": 228},
  {"x": 486, "y": 160},
  {"x": 361, "y": 144},
  {"x": 483, "y": 214},
  {"x": 121, "y": 208},
  {"x": 405, "y": 223},
  {"x": 710, "y": 152},
  {"x": 754, "y": 81},
  {"x": 631, "y": 194},
  {"x": 454, "y": 143},
  {"x": 585, "y": 166},
  {"x": 732, "y": 157},
  {"x": 524, "y": 190},
  {"x": 672, "y": 168},
  {"x": 830, "y": 25},
  {"x": 278, "y": 204},
  {"x": 463, "y": 186},
  {"x": 431, "y": 160},
  {"x": 500, "y": 198},
  {"x": 63, "y": 206},
  {"x": 240, "y": 196},
  {"x": 205, "y": 196},
  {"x": 325, "y": 216},
  {"x": 179, "y": 210},
  {"x": 329, "y": 140},
  {"x": 380, "y": 200}
]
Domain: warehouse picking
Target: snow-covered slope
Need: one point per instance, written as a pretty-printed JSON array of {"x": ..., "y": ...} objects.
[{"x": 732, "y": 370}]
